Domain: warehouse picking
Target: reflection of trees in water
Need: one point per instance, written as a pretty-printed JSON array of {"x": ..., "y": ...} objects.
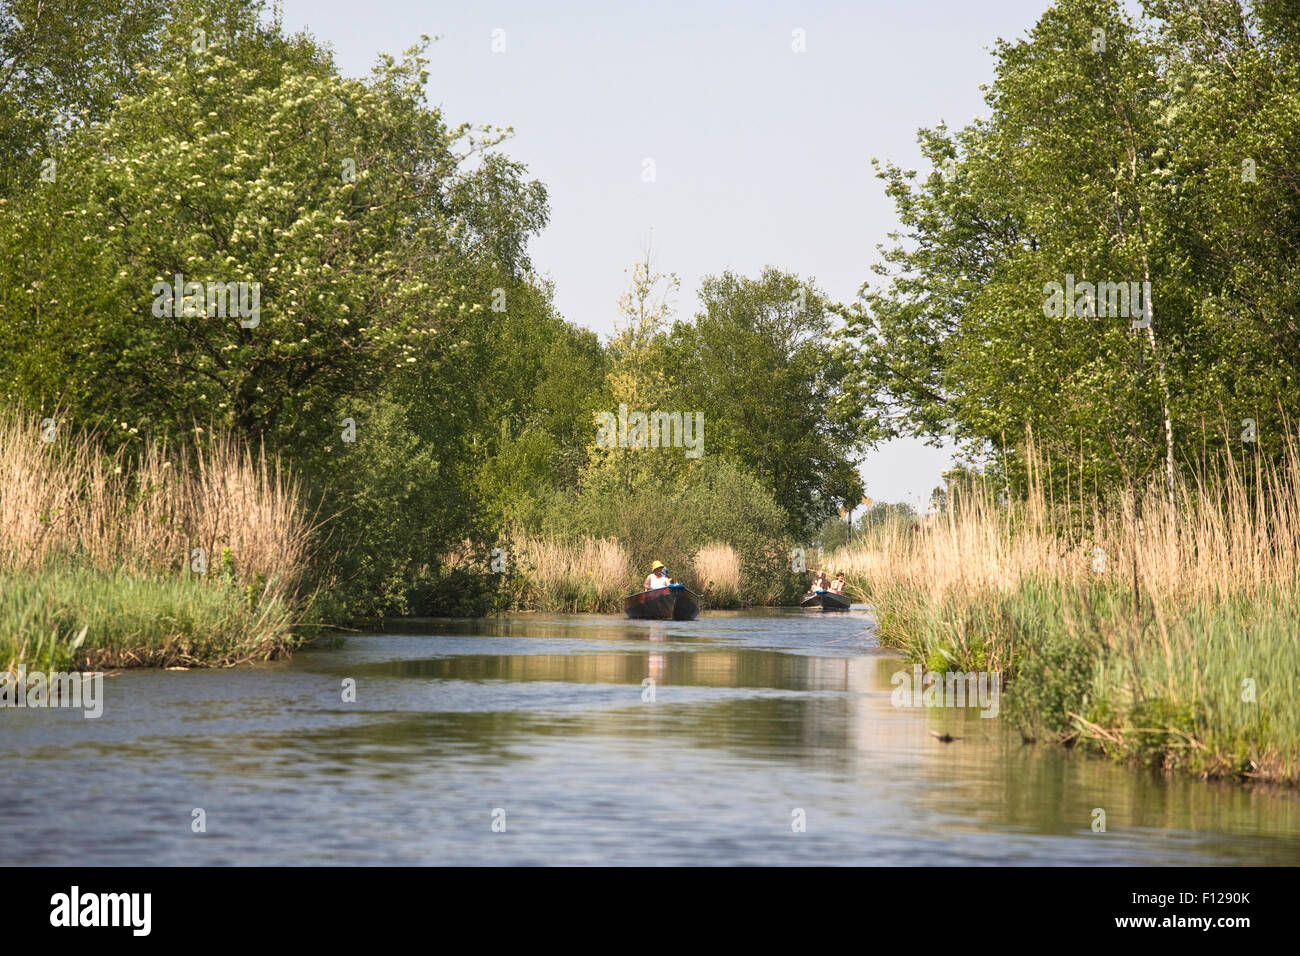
[
  {"x": 1055, "y": 791},
  {"x": 402, "y": 745},
  {"x": 851, "y": 726},
  {"x": 990, "y": 773},
  {"x": 738, "y": 667}
]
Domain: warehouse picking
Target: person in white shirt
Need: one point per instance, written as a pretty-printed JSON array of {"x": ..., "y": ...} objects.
[{"x": 657, "y": 578}]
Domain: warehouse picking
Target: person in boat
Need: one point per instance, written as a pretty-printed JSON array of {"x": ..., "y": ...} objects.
[
  {"x": 657, "y": 578},
  {"x": 838, "y": 584},
  {"x": 822, "y": 583}
]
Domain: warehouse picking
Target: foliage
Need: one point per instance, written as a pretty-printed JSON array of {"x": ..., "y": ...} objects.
[
  {"x": 1114, "y": 151},
  {"x": 760, "y": 364}
]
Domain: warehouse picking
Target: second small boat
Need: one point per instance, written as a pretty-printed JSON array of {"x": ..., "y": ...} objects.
[{"x": 825, "y": 601}]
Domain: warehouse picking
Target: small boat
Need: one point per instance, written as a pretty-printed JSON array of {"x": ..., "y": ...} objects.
[
  {"x": 673, "y": 603},
  {"x": 822, "y": 600}
]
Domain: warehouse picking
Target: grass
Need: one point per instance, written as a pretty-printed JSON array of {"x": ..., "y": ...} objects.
[
  {"x": 1200, "y": 677},
  {"x": 147, "y": 558},
  {"x": 717, "y": 568},
  {"x": 588, "y": 574},
  {"x": 79, "y": 619}
]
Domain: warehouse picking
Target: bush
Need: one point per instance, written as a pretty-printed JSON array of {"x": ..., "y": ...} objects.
[
  {"x": 1052, "y": 680},
  {"x": 396, "y": 510}
]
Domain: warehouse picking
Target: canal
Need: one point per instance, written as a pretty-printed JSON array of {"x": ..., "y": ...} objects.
[{"x": 755, "y": 737}]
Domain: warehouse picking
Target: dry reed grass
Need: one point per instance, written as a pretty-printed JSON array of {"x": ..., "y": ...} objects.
[
  {"x": 66, "y": 499},
  {"x": 997, "y": 586},
  {"x": 1234, "y": 530},
  {"x": 587, "y": 574},
  {"x": 717, "y": 569},
  {"x": 97, "y": 552}
]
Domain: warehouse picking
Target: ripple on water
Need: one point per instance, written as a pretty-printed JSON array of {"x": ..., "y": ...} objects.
[{"x": 758, "y": 720}]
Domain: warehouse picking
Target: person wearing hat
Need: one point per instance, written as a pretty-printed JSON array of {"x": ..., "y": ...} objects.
[{"x": 657, "y": 578}]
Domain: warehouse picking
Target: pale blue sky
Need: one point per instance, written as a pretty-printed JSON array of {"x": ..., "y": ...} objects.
[{"x": 762, "y": 155}]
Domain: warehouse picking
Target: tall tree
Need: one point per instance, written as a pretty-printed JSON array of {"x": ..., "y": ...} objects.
[
  {"x": 65, "y": 63},
  {"x": 341, "y": 205},
  {"x": 760, "y": 362},
  {"x": 1016, "y": 294}
]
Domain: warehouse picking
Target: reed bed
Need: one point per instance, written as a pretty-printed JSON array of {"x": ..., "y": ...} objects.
[
  {"x": 193, "y": 557},
  {"x": 595, "y": 574},
  {"x": 146, "y": 511},
  {"x": 1197, "y": 672},
  {"x": 587, "y": 574},
  {"x": 718, "y": 573}
]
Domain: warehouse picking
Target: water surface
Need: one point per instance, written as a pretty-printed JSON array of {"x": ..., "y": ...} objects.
[{"x": 760, "y": 720}]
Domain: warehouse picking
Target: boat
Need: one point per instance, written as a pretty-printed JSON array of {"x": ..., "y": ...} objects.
[
  {"x": 823, "y": 600},
  {"x": 673, "y": 603}
]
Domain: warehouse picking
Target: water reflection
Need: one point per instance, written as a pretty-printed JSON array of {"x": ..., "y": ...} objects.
[{"x": 752, "y": 715}]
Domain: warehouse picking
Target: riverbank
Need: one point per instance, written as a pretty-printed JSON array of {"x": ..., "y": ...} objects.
[
  {"x": 63, "y": 619},
  {"x": 1196, "y": 673},
  {"x": 143, "y": 557}
]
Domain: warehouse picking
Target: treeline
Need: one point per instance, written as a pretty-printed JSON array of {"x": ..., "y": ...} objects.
[
  {"x": 1107, "y": 259},
  {"x": 207, "y": 232}
]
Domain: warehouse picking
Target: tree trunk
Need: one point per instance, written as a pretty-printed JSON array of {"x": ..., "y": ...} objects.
[{"x": 1163, "y": 377}]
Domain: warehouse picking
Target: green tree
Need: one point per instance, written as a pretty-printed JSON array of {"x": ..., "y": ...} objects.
[
  {"x": 342, "y": 200},
  {"x": 1112, "y": 154},
  {"x": 64, "y": 63},
  {"x": 760, "y": 363},
  {"x": 638, "y": 377}
]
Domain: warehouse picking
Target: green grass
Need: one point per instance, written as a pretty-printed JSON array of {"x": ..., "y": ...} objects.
[
  {"x": 61, "y": 618},
  {"x": 1169, "y": 688}
]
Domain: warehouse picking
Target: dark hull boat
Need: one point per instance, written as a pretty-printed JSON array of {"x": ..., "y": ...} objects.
[
  {"x": 673, "y": 603},
  {"x": 825, "y": 601}
]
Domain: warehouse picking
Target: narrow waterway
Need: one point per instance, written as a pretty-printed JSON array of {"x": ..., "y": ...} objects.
[{"x": 770, "y": 738}]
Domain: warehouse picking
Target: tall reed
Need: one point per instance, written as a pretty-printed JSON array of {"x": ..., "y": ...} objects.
[
  {"x": 148, "y": 510},
  {"x": 1168, "y": 632},
  {"x": 717, "y": 569},
  {"x": 98, "y": 530},
  {"x": 588, "y": 574}
]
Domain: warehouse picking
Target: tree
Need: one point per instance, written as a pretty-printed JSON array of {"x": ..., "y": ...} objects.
[
  {"x": 638, "y": 380},
  {"x": 1103, "y": 168},
  {"x": 760, "y": 364},
  {"x": 340, "y": 205},
  {"x": 63, "y": 63}
]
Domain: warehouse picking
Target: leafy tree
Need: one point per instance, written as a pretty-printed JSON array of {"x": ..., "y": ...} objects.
[
  {"x": 342, "y": 200},
  {"x": 760, "y": 363},
  {"x": 64, "y": 63},
  {"x": 640, "y": 377},
  {"x": 379, "y": 239},
  {"x": 1112, "y": 153},
  {"x": 534, "y": 404}
]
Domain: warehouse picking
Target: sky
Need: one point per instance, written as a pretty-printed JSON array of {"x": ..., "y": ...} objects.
[{"x": 761, "y": 154}]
